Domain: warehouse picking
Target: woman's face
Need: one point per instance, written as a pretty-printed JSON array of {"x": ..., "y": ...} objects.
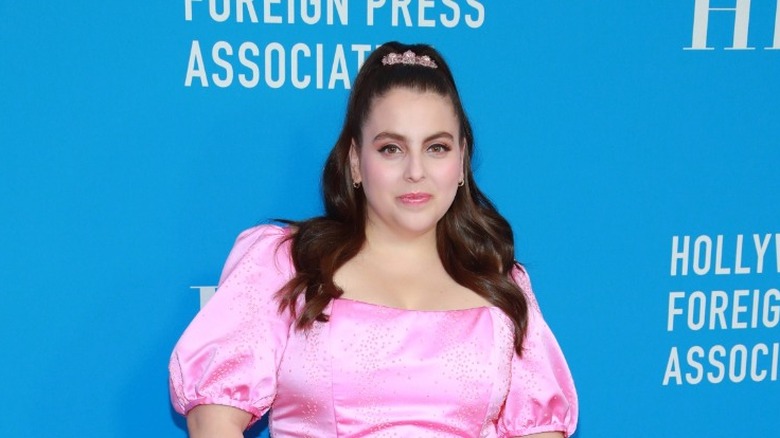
[{"x": 410, "y": 161}]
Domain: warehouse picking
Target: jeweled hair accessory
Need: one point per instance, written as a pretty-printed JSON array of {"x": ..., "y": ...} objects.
[{"x": 409, "y": 58}]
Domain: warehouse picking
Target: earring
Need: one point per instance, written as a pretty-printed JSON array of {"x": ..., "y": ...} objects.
[
  {"x": 356, "y": 185},
  {"x": 461, "y": 183}
]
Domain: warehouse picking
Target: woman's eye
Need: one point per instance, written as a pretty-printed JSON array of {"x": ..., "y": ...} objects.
[
  {"x": 438, "y": 148},
  {"x": 390, "y": 149}
]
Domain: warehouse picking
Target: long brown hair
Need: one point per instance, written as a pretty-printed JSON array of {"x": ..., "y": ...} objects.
[{"x": 475, "y": 243}]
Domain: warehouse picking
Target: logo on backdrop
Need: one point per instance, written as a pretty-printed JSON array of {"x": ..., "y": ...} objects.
[
  {"x": 205, "y": 293},
  {"x": 305, "y": 64},
  {"x": 734, "y": 19},
  {"x": 746, "y": 316}
]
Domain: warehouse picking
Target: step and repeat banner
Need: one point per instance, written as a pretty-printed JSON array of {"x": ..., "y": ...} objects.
[{"x": 633, "y": 146}]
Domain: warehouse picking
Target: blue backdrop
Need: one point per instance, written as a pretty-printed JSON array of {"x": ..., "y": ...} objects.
[{"x": 632, "y": 145}]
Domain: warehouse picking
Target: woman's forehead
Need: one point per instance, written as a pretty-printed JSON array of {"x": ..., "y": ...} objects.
[{"x": 410, "y": 114}]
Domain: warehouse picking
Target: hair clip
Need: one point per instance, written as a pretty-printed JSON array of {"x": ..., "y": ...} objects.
[{"x": 409, "y": 58}]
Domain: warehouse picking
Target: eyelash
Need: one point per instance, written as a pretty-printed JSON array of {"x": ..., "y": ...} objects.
[
  {"x": 440, "y": 146},
  {"x": 435, "y": 148},
  {"x": 387, "y": 149}
]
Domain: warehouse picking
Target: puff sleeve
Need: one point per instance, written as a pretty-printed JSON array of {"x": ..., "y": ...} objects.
[
  {"x": 230, "y": 352},
  {"x": 541, "y": 397}
]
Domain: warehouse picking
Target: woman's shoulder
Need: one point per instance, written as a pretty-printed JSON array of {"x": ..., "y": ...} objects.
[
  {"x": 264, "y": 231},
  {"x": 266, "y": 244},
  {"x": 265, "y": 238},
  {"x": 521, "y": 277}
]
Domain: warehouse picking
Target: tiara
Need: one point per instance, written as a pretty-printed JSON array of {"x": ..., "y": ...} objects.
[{"x": 409, "y": 58}]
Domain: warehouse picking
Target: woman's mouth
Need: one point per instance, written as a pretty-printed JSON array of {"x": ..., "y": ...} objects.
[{"x": 415, "y": 198}]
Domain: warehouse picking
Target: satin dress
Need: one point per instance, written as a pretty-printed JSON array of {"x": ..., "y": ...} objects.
[{"x": 371, "y": 370}]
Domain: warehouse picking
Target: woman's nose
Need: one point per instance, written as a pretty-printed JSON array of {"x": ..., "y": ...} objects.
[{"x": 415, "y": 168}]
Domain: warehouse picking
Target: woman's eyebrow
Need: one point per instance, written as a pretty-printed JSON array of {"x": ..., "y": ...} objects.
[
  {"x": 385, "y": 135},
  {"x": 398, "y": 137},
  {"x": 440, "y": 134}
]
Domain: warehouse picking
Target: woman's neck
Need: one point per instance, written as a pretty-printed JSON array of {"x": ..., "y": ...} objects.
[{"x": 385, "y": 244}]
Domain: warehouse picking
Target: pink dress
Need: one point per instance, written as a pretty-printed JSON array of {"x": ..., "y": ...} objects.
[{"x": 371, "y": 371}]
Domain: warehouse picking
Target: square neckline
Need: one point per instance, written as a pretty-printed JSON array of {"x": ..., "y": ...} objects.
[{"x": 401, "y": 309}]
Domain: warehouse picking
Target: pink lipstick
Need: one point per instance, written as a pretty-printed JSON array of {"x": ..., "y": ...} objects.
[{"x": 414, "y": 198}]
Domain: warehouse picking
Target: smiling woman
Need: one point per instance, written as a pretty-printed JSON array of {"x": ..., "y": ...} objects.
[
  {"x": 400, "y": 311},
  {"x": 410, "y": 160}
]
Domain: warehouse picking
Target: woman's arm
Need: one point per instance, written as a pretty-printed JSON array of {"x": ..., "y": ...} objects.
[{"x": 217, "y": 421}]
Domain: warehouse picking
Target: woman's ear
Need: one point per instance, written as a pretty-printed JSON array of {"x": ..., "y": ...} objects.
[{"x": 354, "y": 163}]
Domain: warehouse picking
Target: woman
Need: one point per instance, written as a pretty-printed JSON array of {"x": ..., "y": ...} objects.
[{"x": 400, "y": 312}]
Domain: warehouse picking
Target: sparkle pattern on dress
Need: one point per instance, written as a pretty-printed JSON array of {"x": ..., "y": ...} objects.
[{"x": 371, "y": 371}]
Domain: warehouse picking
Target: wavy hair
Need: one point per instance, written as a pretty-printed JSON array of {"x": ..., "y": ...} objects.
[{"x": 475, "y": 243}]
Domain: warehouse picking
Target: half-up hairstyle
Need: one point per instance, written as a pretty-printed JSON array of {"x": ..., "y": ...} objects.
[{"x": 475, "y": 243}]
